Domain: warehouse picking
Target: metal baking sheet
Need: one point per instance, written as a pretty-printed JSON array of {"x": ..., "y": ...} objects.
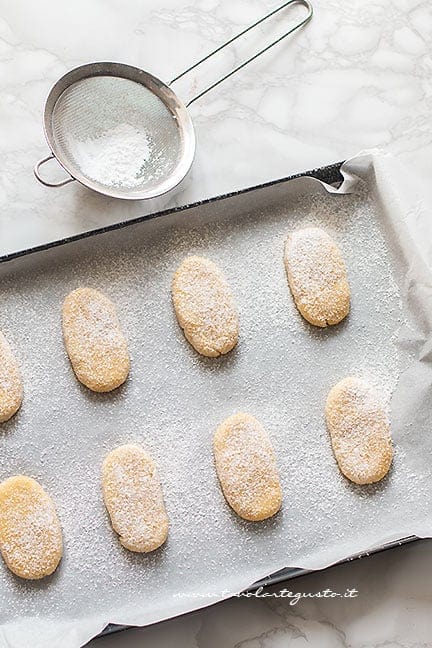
[
  {"x": 330, "y": 175},
  {"x": 281, "y": 372}
]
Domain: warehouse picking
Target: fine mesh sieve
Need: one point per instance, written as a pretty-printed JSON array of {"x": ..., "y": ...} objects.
[
  {"x": 124, "y": 133},
  {"x": 119, "y": 131}
]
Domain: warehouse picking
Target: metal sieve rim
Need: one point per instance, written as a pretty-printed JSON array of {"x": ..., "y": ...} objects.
[
  {"x": 152, "y": 83},
  {"x": 168, "y": 98}
]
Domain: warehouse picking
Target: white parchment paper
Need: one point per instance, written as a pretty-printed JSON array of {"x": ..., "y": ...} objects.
[{"x": 281, "y": 372}]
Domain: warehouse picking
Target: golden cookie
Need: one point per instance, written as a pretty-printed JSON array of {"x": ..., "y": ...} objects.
[
  {"x": 11, "y": 390},
  {"x": 246, "y": 467},
  {"x": 133, "y": 496},
  {"x": 357, "y": 421},
  {"x": 205, "y": 307},
  {"x": 30, "y": 532},
  {"x": 317, "y": 276},
  {"x": 94, "y": 340}
]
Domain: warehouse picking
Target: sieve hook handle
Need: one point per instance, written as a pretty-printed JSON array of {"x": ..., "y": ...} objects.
[
  {"x": 46, "y": 182},
  {"x": 305, "y": 20}
]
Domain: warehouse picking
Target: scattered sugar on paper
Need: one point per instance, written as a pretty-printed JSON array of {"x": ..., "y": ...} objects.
[{"x": 280, "y": 372}]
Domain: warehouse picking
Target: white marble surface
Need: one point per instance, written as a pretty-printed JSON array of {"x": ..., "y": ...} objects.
[
  {"x": 392, "y": 610},
  {"x": 358, "y": 76}
]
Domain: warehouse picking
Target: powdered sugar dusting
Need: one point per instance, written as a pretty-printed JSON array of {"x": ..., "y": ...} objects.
[
  {"x": 94, "y": 340},
  {"x": 134, "y": 499},
  {"x": 357, "y": 418},
  {"x": 280, "y": 372},
  {"x": 205, "y": 306},
  {"x": 317, "y": 276},
  {"x": 30, "y": 534},
  {"x": 116, "y": 158},
  {"x": 246, "y": 467},
  {"x": 11, "y": 390}
]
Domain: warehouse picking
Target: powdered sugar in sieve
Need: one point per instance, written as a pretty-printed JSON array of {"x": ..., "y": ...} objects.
[
  {"x": 122, "y": 131},
  {"x": 116, "y": 132},
  {"x": 118, "y": 157}
]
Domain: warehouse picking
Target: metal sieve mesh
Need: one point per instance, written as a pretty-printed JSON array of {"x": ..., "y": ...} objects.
[
  {"x": 117, "y": 133},
  {"x": 123, "y": 132}
]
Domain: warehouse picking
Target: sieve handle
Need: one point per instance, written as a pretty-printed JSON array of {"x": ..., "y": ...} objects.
[
  {"x": 305, "y": 20},
  {"x": 46, "y": 182}
]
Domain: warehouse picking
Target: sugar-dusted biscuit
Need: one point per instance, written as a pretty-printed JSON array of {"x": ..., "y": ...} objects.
[
  {"x": 205, "y": 307},
  {"x": 11, "y": 390},
  {"x": 317, "y": 276},
  {"x": 30, "y": 533},
  {"x": 357, "y": 420},
  {"x": 94, "y": 340},
  {"x": 133, "y": 496},
  {"x": 246, "y": 467}
]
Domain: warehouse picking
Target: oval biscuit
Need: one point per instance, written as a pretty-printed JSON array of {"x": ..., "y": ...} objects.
[
  {"x": 317, "y": 276},
  {"x": 94, "y": 340},
  {"x": 246, "y": 468},
  {"x": 133, "y": 497},
  {"x": 205, "y": 307},
  {"x": 356, "y": 416},
  {"x": 11, "y": 390},
  {"x": 30, "y": 532}
]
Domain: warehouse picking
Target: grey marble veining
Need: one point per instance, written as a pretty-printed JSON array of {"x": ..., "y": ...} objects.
[
  {"x": 358, "y": 76},
  {"x": 392, "y": 610}
]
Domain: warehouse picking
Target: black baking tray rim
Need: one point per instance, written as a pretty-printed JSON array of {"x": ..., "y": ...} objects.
[{"x": 329, "y": 174}]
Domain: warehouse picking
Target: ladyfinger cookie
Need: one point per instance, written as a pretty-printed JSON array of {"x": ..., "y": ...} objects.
[
  {"x": 94, "y": 340},
  {"x": 317, "y": 276},
  {"x": 11, "y": 390},
  {"x": 356, "y": 415},
  {"x": 133, "y": 497},
  {"x": 205, "y": 307},
  {"x": 30, "y": 533},
  {"x": 246, "y": 467}
]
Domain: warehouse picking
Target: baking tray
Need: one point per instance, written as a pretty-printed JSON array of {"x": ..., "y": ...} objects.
[{"x": 330, "y": 175}]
